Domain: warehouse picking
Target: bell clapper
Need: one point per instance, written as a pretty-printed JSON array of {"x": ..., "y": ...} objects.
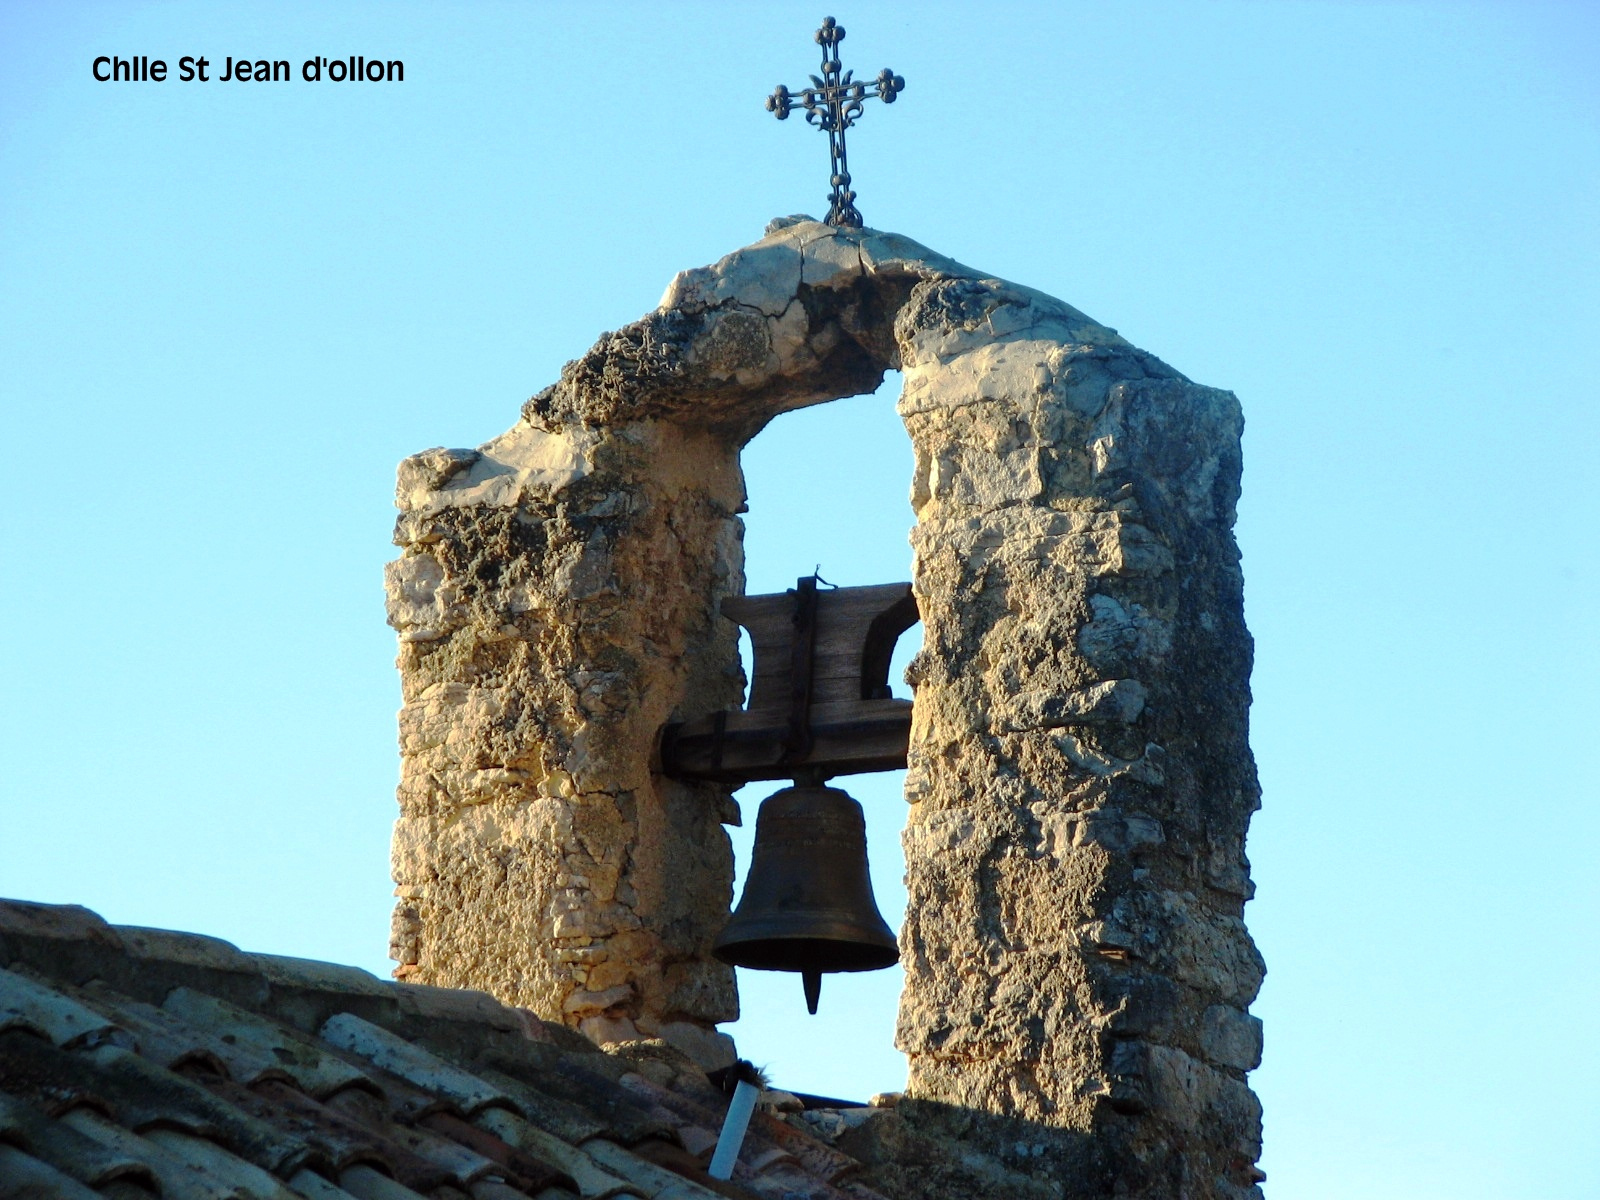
[{"x": 810, "y": 980}]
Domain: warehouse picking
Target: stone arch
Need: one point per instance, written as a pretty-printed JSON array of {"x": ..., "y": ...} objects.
[{"x": 1074, "y": 947}]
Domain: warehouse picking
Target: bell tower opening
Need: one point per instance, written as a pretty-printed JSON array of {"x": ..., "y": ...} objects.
[{"x": 828, "y": 491}]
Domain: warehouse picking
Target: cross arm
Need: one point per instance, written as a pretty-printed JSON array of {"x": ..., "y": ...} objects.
[{"x": 824, "y": 94}]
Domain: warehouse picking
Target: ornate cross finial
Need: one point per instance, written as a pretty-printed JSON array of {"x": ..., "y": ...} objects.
[{"x": 834, "y": 102}]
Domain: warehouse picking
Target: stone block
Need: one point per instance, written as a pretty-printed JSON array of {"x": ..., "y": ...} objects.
[{"x": 1231, "y": 1038}]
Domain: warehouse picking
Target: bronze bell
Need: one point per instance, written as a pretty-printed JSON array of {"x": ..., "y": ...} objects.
[{"x": 807, "y": 903}]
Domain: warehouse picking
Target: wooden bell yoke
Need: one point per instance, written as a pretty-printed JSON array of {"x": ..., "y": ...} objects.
[{"x": 820, "y": 703}]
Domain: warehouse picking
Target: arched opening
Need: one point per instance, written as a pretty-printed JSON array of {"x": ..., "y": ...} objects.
[{"x": 828, "y": 490}]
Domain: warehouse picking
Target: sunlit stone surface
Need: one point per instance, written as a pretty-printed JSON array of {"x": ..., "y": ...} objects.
[{"x": 1078, "y": 973}]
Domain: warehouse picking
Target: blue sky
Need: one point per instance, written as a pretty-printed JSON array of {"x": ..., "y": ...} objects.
[{"x": 227, "y": 311}]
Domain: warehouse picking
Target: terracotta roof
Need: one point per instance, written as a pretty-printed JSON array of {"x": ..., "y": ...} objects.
[{"x": 141, "y": 1062}]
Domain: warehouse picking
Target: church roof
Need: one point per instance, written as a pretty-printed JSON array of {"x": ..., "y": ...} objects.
[{"x": 142, "y": 1062}]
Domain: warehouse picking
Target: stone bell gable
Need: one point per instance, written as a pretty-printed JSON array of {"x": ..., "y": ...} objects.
[{"x": 1078, "y": 974}]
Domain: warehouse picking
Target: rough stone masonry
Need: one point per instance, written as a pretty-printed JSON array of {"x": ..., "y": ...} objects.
[{"x": 1078, "y": 974}]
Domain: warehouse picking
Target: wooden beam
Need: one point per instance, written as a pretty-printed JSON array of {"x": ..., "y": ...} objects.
[
  {"x": 818, "y": 697},
  {"x": 846, "y": 739}
]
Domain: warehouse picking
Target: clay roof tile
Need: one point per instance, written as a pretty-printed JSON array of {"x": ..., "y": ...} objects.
[
  {"x": 415, "y": 1065},
  {"x": 64, "y": 1148},
  {"x": 251, "y": 1041},
  {"x": 29, "y": 1005},
  {"x": 28, "y": 1176},
  {"x": 137, "y": 1059},
  {"x": 591, "y": 1179},
  {"x": 656, "y": 1181}
]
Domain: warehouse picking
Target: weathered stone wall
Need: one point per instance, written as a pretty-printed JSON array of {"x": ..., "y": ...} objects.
[
  {"x": 1078, "y": 972},
  {"x": 552, "y": 602},
  {"x": 1080, "y": 774}
]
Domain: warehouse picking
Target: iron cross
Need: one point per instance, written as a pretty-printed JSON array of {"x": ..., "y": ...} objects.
[{"x": 833, "y": 103}]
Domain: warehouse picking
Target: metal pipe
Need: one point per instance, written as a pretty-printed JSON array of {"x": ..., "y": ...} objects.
[{"x": 737, "y": 1121}]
